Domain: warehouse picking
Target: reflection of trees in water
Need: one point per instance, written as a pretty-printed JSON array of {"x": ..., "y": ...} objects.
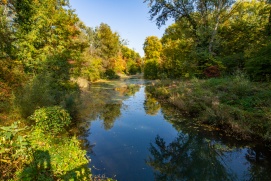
[
  {"x": 104, "y": 101},
  {"x": 151, "y": 105},
  {"x": 109, "y": 114},
  {"x": 259, "y": 168},
  {"x": 187, "y": 158},
  {"x": 192, "y": 157},
  {"x": 128, "y": 90}
]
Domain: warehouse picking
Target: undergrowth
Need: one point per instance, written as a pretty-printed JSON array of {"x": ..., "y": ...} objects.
[{"x": 40, "y": 152}]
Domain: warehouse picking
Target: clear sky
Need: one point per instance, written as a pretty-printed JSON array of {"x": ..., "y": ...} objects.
[{"x": 129, "y": 18}]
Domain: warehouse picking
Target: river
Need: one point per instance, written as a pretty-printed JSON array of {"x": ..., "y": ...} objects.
[{"x": 132, "y": 137}]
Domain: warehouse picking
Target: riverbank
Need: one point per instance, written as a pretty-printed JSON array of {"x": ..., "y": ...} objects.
[{"x": 235, "y": 105}]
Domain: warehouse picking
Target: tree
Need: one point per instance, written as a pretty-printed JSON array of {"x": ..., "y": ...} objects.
[
  {"x": 204, "y": 16},
  {"x": 45, "y": 28},
  {"x": 107, "y": 44},
  {"x": 178, "y": 45},
  {"x": 152, "y": 47},
  {"x": 243, "y": 34},
  {"x": 132, "y": 59}
]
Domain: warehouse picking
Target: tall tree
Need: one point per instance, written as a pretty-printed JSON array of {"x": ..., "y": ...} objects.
[
  {"x": 152, "y": 47},
  {"x": 45, "y": 28},
  {"x": 204, "y": 16},
  {"x": 108, "y": 42}
]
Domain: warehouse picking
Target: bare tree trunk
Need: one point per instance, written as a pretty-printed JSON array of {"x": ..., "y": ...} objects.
[
  {"x": 218, "y": 10},
  {"x": 213, "y": 35}
]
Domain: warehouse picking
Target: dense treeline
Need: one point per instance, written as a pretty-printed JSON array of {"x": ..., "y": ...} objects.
[
  {"x": 210, "y": 38},
  {"x": 107, "y": 54},
  {"x": 43, "y": 47}
]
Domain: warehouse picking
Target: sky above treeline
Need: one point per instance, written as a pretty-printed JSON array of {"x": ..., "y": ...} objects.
[{"x": 130, "y": 18}]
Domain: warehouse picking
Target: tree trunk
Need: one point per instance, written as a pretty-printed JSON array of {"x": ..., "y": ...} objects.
[{"x": 218, "y": 9}]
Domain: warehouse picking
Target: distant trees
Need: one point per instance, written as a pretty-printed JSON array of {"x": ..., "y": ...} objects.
[
  {"x": 152, "y": 48},
  {"x": 106, "y": 55},
  {"x": 219, "y": 36}
]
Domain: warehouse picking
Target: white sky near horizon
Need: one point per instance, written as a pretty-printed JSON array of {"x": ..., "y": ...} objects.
[{"x": 130, "y": 18}]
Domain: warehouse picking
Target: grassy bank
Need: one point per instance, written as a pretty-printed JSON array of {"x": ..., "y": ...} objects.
[{"x": 234, "y": 104}]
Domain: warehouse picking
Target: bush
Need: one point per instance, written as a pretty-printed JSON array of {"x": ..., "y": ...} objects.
[
  {"x": 36, "y": 93},
  {"x": 51, "y": 119},
  {"x": 55, "y": 158},
  {"x": 258, "y": 66},
  {"x": 151, "y": 69},
  {"x": 14, "y": 151}
]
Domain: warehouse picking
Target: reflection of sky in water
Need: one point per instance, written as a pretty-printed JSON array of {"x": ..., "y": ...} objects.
[{"x": 121, "y": 152}]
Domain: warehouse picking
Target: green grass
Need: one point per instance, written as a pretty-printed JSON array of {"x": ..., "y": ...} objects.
[{"x": 234, "y": 104}]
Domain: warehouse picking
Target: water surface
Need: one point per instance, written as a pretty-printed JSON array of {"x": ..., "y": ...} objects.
[{"x": 133, "y": 137}]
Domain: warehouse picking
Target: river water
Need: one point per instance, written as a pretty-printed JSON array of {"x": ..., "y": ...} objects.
[{"x": 132, "y": 137}]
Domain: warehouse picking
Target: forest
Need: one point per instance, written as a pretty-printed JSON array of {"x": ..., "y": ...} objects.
[{"x": 213, "y": 63}]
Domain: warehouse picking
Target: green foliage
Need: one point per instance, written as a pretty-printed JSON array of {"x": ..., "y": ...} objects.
[
  {"x": 93, "y": 70},
  {"x": 152, "y": 47},
  {"x": 132, "y": 59},
  {"x": 177, "y": 59},
  {"x": 111, "y": 74},
  {"x": 53, "y": 84},
  {"x": 258, "y": 65},
  {"x": 151, "y": 69},
  {"x": 211, "y": 38},
  {"x": 14, "y": 150},
  {"x": 51, "y": 159},
  {"x": 51, "y": 119},
  {"x": 108, "y": 43},
  {"x": 45, "y": 28},
  {"x": 107, "y": 52},
  {"x": 243, "y": 33},
  {"x": 40, "y": 156}
]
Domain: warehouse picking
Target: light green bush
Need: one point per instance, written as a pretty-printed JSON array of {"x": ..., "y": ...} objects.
[{"x": 51, "y": 119}]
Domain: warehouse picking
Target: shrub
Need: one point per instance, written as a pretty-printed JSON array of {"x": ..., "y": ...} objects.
[
  {"x": 51, "y": 119},
  {"x": 111, "y": 74},
  {"x": 14, "y": 150},
  {"x": 151, "y": 69},
  {"x": 258, "y": 66},
  {"x": 55, "y": 158}
]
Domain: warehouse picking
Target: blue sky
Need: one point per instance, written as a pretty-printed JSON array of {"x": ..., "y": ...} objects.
[{"x": 129, "y": 18}]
